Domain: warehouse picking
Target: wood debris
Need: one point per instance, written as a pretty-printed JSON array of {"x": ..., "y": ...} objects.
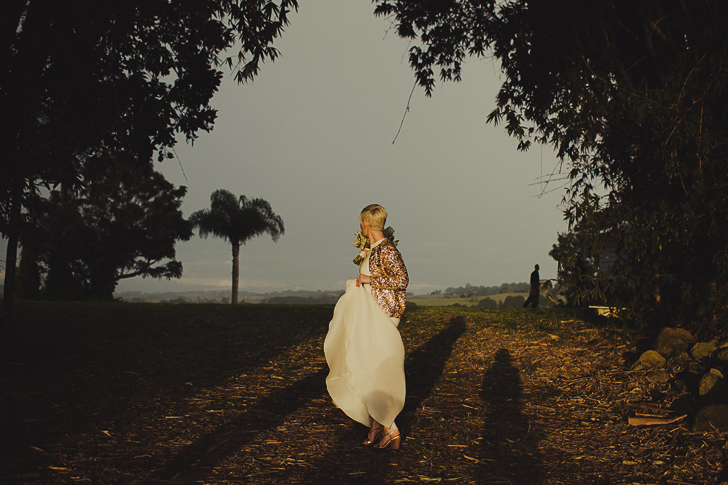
[{"x": 492, "y": 397}]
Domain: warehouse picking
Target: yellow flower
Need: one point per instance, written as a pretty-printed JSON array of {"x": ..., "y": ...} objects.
[{"x": 361, "y": 242}]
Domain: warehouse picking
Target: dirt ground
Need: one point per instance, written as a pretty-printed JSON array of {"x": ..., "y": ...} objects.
[{"x": 208, "y": 394}]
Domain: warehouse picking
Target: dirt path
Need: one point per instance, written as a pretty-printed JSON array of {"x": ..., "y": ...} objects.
[{"x": 210, "y": 396}]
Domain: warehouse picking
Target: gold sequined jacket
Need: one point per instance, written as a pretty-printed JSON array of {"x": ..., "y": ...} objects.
[{"x": 388, "y": 278}]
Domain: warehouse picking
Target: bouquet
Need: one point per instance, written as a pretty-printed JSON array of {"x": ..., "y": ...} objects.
[{"x": 362, "y": 242}]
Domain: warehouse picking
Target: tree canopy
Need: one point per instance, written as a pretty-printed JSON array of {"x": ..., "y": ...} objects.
[
  {"x": 80, "y": 78},
  {"x": 633, "y": 98},
  {"x": 122, "y": 223}
]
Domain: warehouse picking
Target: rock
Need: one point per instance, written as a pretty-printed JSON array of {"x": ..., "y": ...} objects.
[
  {"x": 672, "y": 341},
  {"x": 649, "y": 360},
  {"x": 712, "y": 387},
  {"x": 658, "y": 376},
  {"x": 712, "y": 417},
  {"x": 722, "y": 355},
  {"x": 681, "y": 385},
  {"x": 702, "y": 350}
]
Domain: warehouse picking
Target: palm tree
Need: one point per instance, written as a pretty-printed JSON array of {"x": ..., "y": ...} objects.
[{"x": 237, "y": 220}]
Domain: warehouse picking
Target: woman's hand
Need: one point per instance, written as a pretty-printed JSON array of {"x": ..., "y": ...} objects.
[{"x": 362, "y": 278}]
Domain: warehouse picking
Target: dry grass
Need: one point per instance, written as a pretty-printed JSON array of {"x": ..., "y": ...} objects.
[{"x": 229, "y": 395}]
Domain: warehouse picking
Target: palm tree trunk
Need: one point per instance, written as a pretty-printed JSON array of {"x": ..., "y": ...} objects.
[{"x": 236, "y": 272}]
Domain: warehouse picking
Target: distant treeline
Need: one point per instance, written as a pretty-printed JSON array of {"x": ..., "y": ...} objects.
[
  {"x": 301, "y": 300},
  {"x": 303, "y": 297},
  {"x": 296, "y": 297},
  {"x": 469, "y": 290},
  {"x": 319, "y": 297}
]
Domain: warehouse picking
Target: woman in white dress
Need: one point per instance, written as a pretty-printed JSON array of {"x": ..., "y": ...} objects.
[{"x": 363, "y": 347}]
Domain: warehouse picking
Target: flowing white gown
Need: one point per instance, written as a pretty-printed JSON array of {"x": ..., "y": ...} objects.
[{"x": 365, "y": 355}]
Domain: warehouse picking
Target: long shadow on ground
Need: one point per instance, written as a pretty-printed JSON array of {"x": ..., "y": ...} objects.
[
  {"x": 509, "y": 453},
  {"x": 424, "y": 367},
  {"x": 86, "y": 372},
  {"x": 350, "y": 462},
  {"x": 196, "y": 461}
]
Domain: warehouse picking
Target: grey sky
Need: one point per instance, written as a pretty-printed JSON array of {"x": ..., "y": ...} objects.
[{"x": 313, "y": 136}]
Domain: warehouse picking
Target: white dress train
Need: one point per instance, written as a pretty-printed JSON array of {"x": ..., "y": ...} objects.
[{"x": 365, "y": 355}]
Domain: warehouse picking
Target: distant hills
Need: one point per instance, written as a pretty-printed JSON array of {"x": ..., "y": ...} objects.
[
  {"x": 223, "y": 296},
  {"x": 319, "y": 297}
]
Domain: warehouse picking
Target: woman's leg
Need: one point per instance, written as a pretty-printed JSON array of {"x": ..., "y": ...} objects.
[
  {"x": 375, "y": 430},
  {"x": 389, "y": 437}
]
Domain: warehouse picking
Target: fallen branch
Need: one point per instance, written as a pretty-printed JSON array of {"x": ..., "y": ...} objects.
[{"x": 645, "y": 421}]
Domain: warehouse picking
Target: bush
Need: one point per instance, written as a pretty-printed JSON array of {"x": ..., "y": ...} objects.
[
  {"x": 488, "y": 303},
  {"x": 513, "y": 302}
]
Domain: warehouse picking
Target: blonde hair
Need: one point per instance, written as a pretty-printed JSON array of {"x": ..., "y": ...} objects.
[{"x": 375, "y": 215}]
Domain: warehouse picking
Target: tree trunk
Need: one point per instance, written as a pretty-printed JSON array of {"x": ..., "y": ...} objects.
[
  {"x": 236, "y": 272},
  {"x": 6, "y": 318}
]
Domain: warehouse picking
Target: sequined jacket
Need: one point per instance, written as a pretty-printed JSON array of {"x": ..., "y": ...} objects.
[{"x": 388, "y": 278}]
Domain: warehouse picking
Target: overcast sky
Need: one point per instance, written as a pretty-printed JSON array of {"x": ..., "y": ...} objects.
[{"x": 313, "y": 136}]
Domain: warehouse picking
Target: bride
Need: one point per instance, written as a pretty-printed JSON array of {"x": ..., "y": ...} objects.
[{"x": 363, "y": 347}]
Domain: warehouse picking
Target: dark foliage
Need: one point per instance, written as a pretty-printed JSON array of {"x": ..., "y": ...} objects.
[
  {"x": 513, "y": 301},
  {"x": 122, "y": 223},
  {"x": 84, "y": 78},
  {"x": 488, "y": 303},
  {"x": 128, "y": 76},
  {"x": 633, "y": 98}
]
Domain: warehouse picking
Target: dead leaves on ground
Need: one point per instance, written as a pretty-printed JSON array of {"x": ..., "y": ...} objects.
[{"x": 494, "y": 396}]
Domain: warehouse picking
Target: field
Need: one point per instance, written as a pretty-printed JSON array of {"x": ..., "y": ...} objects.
[
  {"x": 470, "y": 301},
  {"x": 124, "y": 393}
]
